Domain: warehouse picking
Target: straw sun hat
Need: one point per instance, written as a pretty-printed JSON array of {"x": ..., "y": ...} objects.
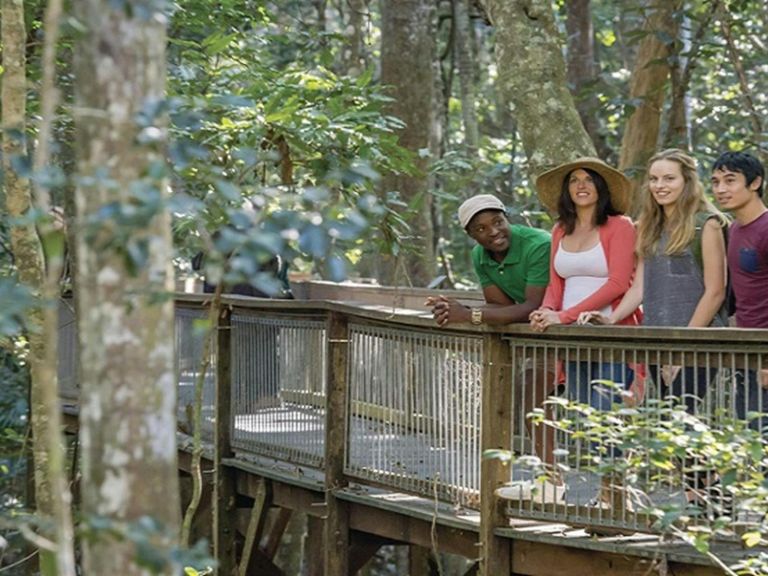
[{"x": 549, "y": 184}]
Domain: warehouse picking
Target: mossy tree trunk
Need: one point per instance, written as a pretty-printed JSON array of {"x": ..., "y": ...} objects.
[
  {"x": 532, "y": 74},
  {"x": 128, "y": 389}
]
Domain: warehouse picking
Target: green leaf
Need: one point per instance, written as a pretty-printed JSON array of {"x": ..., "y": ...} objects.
[
  {"x": 751, "y": 539},
  {"x": 216, "y": 43},
  {"x": 365, "y": 78}
]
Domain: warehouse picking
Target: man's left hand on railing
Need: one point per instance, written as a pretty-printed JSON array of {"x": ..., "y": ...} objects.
[
  {"x": 764, "y": 378},
  {"x": 447, "y": 310}
]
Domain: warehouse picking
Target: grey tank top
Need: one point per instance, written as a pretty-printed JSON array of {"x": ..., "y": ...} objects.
[{"x": 672, "y": 288}]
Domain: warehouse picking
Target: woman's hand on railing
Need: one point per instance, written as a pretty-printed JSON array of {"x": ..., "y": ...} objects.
[
  {"x": 593, "y": 317},
  {"x": 446, "y": 310},
  {"x": 543, "y": 318}
]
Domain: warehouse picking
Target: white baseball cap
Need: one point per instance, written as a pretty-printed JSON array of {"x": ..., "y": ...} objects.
[{"x": 477, "y": 204}]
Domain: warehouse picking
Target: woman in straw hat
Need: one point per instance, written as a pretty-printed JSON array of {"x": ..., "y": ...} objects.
[
  {"x": 592, "y": 261},
  {"x": 681, "y": 271}
]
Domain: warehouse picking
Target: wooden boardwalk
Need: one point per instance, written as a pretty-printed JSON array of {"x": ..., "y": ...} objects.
[{"x": 365, "y": 473}]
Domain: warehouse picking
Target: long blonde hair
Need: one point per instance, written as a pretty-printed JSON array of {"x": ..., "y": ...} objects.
[{"x": 681, "y": 225}]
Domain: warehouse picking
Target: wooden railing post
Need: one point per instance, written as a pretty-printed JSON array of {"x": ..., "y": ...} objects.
[
  {"x": 496, "y": 435},
  {"x": 224, "y": 497},
  {"x": 336, "y": 549}
]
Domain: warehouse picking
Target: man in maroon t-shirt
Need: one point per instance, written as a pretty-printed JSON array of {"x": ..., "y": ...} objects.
[{"x": 737, "y": 182}]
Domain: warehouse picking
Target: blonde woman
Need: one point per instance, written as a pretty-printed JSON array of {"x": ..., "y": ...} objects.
[{"x": 681, "y": 270}]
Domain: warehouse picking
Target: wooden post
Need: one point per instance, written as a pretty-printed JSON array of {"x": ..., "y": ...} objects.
[
  {"x": 336, "y": 549},
  {"x": 496, "y": 434},
  {"x": 256, "y": 524},
  {"x": 224, "y": 496},
  {"x": 418, "y": 560},
  {"x": 313, "y": 546}
]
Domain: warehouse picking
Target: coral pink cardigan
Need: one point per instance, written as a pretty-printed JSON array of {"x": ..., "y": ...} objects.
[{"x": 617, "y": 237}]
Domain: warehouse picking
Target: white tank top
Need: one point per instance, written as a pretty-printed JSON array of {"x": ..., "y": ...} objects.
[{"x": 584, "y": 273}]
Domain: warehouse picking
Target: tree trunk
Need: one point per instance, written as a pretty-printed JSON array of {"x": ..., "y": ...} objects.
[
  {"x": 466, "y": 67},
  {"x": 678, "y": 134},
  {"x": 649, "y": 78},
  {"x": 582, "y": 70},
  {"x": 532, "y": 73},
  {"x": 353, "y": 56},
  {"x": 51, "y": 490},
  {"x": 27, "y": 250},
  {"x": 406, "y": 68},
  {"x": 127, "y": 417}
]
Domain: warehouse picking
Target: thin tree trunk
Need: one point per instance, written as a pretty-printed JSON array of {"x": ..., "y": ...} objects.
[
  {"x": 582, "y": 70},
  {"x": 678, "y": 134},
  {"x": 54, "y": 239},
  {"x": 406, "y": 68},
  {"x": 465, "y": 64},
  {"x": 647, "y": 85},
  {"x": 353, "y": 55},
  {"x": 125, "y": 320},
  {"x": 322, "y": 24},
  {"x": 532, "y": 74},
  {"x": 438, "y": 144},
  {"x": 51, "y": 490},
  {"x": 214, "y": 315}
]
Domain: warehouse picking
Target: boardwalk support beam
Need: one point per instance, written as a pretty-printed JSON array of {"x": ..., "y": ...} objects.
[
  {"x": 224, "y": 528},
  {"x": 496, "y": 435},
  {"x": 336, "y": 558}
]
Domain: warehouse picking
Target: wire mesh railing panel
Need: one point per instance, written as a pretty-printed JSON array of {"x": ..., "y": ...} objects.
[
  {"x": 633, "y": 429},
  {"x": 414, "y": 411},
  {"x": 69, "y": 387},
  {"x": 278, "y": 387},
  {"x": 192, "y": 329}
]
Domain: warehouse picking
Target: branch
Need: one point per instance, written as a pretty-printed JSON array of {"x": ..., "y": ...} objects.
[
  {"x": 757, "y": 125},
  {"x": 197, "y": 416}
]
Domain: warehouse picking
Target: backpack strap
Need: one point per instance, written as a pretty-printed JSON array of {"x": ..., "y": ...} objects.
[{"x": 701, "y": 219}]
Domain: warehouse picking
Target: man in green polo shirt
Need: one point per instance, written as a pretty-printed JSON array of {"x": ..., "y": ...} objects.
[
  {"x": 512, "y": 265},
  {"x": 511, "y": 262}
]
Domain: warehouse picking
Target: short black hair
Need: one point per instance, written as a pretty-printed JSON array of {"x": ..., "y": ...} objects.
[
  {"x": 743, "y": 163},
  {"x": 566, "y": 209}
]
